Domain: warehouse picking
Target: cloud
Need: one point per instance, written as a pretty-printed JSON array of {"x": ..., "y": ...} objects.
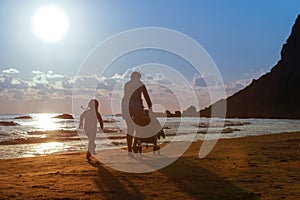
[
  {"x": 240, "y": 84},
  {"x": 11, "y": 71},
  {"x": 204, "y": 81},
  {"x": 36, "y": 72},
  {"x": 44, "y": 78},
  {"x": 236, "y": 86},
  {"x": 160, "y": 78},
  {"x": 198, "y": 81},
  {"x": 171, "y": 93},
  {"x": 50, "y": 86},
  {"x": 205, "y": 84},
  {"x": 255, "y": 74},
  {"x": 40, "y": 85},
  {"x": 51, "y": 75},
  {"x": 15, "y": 82}
]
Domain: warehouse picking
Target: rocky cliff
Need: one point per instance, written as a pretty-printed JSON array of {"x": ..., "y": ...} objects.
[{"x": 275, "y": 94}]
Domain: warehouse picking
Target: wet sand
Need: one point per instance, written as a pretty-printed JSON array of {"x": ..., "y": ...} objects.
[{"x": 258, "y": 167}]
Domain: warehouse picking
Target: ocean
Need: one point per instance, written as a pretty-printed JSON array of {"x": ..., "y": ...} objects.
[{"x": 42, "y": 134}]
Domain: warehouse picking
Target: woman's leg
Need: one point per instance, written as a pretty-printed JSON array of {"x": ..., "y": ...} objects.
[
  {"x": 129, "y": 142},
  {"x": 129, "y": 135},
  {"x": 135, "y": 148}
]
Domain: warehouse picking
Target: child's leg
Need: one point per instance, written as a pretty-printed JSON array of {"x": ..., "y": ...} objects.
[
  {"x": 88, "y": 155},
  {"x": 92, "y": 145}
]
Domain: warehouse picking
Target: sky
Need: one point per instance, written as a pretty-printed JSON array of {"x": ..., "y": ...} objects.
[{"x": 243, "y": 38}]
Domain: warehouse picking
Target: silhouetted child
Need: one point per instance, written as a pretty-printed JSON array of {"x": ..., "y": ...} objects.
[{"x": 88, "y": 121}]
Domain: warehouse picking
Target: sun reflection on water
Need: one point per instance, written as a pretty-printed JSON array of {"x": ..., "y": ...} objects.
[
  {"x": 45, "y": 121},
  {"x": 49, "y": 148}
]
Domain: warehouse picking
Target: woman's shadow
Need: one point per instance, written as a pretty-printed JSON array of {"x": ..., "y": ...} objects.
[
  {"x": 185, "y": 175},
  {"x": 203, "y": 183}
]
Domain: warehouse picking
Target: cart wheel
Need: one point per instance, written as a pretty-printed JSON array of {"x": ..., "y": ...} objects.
[{"x": 135, "y": 149}]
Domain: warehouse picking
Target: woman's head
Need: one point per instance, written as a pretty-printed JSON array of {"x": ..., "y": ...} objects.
[
  {"x": 94, "y": 104},
  {"x": 135, "y": 76}
]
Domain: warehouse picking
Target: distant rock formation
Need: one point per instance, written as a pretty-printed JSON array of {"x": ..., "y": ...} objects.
[
  {"x": 230, "y": 130},
  {"x": 110, "y": 120},
  {"x": 190, "y": 112},
  {"x": 275, "y": 94},
  {"x": 176, "y": 114},
  {"x": 64, "y": 116}
]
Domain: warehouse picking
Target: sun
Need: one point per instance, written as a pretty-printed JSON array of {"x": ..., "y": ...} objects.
[{"x": 50, "y": 23}]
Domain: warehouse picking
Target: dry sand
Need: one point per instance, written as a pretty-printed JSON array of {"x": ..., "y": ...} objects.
[{"x": 258, "y": 167}]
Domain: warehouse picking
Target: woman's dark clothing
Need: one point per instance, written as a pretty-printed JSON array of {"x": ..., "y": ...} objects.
[
  {"x": 132, "y": 104},
  {"x": 132, "y": 107}
]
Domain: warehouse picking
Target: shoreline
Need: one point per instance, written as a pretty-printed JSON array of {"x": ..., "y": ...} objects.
[
  {"x": 34, "y": 137},
  {"x": 81, "y": 147},
  {"x": 253, "y": 167}
]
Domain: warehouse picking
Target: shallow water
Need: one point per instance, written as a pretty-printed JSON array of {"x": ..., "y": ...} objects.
[{"x": 44, "y": 134}]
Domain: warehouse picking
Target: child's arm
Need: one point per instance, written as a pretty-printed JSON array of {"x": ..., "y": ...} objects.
[
  {"x": 81, "y": 121},
  {"x": 100, "y": 120}
]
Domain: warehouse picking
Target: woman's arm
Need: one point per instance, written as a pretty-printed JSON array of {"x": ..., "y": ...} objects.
[
  {"x": 100, "y": 120},
  {"x": 147, "y": 98}
]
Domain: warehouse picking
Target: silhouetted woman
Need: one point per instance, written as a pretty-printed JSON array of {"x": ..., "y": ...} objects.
[
  {"x": 132, "y": 105},
  {"x": 88, "y": 121}
]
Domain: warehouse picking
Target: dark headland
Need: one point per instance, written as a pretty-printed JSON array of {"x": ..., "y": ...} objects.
[{"x": 275, "y": 94}]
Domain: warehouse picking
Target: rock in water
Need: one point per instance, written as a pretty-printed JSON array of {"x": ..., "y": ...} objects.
[
  {"x": 23, "y": 117},
  {"x": 9, "y": 123},
  {"x": 64, "y": 116},
  {"x": 275, "y": 94}
]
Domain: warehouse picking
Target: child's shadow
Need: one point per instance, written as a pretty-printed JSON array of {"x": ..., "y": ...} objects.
[{"x": 110, "y": 185}]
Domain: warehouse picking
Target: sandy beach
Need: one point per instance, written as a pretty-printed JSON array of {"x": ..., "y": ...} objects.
[{"x": 257, "y": 167}]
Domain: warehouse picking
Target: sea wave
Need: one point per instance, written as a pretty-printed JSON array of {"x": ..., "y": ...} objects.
[
  {"x": 39, "y": 128},
  {"x": 10, "y": 136},
  {"x": 33, "y": 140},
  {"x": 226, "y": 123}
]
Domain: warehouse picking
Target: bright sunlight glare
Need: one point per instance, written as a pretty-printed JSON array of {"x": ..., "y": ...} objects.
[
  {"x": 49, "y": 147},
  {"x": 46, "y": 122},
  {"x": 50, "y": 23}
]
